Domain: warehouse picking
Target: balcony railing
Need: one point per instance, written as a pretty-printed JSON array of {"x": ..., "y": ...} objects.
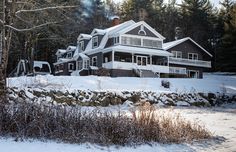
[{"x": 200, "y": 63}]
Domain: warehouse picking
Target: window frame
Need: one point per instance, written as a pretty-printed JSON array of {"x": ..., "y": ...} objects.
[
  {"x": 193, "y": 56},
  {"x": 81, "y": 45},
  {"x": 176, "y": 53},
  {"x": 95, "y": 41},
  {"x": 96, "y": 61},
  {"x": 69, "y": 67}
]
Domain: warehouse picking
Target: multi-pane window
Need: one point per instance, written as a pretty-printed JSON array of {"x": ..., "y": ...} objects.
[
  {"x": 69, "y": 55},
  {"x": 86, "y": 64},
  {"x": 131, "y": 41},
  {"x": 94, "y": 61},
  {"x": 95, "y": 41},
  {"x": 152, "y": 43},
  {"x": 81, "y": 45},
  {"x": 193, "y": 56},
  {"x": 177, "y": 54},
  {"x": 116, "y": 40}
]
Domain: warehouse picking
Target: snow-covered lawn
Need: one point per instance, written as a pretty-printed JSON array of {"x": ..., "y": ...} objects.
[
  {"x": 211, "y": 83},
  {"x": 220, "y": 120}
]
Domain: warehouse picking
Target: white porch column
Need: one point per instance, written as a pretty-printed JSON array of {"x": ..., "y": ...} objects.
[
  {"x": 150, "y": 59},
  {"x": 113, "y": 56},
  {"x": 132, "y": 57}
]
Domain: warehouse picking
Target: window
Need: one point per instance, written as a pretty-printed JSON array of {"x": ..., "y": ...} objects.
[
  {"x": 131, "y": 41},
  {"x": 70, "y": 66},
  {"x": 86, "y": 64},
  {"x": 69, "y": 55},
  {"x": 94, "y": 61},
  {"x": 116, "y": 40},
  {"x": 95, "y": 41},
  {"x": 177, "y": 54},
  {"x": 193, "y": 56},
  {"x": 81, "y": 45},
  {"x": 151, "y": 43},
  {"x": 80, "y": 64}
]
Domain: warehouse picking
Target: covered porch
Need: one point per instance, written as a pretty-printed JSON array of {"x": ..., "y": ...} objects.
[{"x": 127, "y": 59}]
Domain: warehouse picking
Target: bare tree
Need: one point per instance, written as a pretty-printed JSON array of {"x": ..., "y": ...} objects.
[{"x": 26, "y": 16}]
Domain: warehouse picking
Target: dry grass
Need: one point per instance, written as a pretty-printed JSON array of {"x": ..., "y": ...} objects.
[{"x": 70, "y": 124}]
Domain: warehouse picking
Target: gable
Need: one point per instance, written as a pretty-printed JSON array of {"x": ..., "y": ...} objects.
[
  {"x": 142, "y": 28},
  {"x": 141, "y": 31}
]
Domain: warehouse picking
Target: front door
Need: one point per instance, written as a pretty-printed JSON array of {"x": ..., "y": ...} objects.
[{"x": 141, "y": 60}]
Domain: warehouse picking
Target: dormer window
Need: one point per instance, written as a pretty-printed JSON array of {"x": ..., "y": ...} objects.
[
  {"x": 95, "y": 41},
  {"x": 69, "y": 55},
  {"x": 116, "y": 40},
  {"x": 81, "y": 45}
]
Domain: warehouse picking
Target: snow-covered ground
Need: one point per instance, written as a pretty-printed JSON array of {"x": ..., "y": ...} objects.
[
  {"x": 221, "y": 121},
  {"x": 210, "y": 83}
]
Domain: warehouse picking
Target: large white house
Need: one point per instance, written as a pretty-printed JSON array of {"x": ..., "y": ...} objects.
[{"x": 132, "y": 49}]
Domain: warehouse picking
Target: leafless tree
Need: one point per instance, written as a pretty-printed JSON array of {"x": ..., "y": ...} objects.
[{"x": 26, "y": 16}]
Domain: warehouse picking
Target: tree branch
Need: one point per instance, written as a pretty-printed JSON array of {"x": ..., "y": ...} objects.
[
  {"x": 30, "y": 29},
  {"x": 46, "y": 8}
]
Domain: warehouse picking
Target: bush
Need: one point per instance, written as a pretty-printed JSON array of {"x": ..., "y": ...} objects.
[{"x": 70, "y": 124}]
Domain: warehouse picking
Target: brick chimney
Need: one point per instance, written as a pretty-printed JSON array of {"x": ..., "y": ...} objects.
[{"x": 115, "y": 20}]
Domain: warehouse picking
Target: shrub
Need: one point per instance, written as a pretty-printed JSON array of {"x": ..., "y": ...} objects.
[{"x": 71, "y": 124}]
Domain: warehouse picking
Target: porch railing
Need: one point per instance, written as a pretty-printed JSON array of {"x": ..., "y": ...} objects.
[
  {"x": 189, "y": 62},
  {"x": 177, "y": 70}
]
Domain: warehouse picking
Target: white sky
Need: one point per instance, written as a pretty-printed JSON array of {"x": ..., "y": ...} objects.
[{"x": 215, "y": 2}]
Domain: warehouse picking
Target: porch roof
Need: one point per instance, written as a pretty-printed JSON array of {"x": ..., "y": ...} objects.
[{"x": 140, "y": 50}]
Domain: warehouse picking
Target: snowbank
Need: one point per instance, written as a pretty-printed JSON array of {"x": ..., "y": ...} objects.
[{"x": 211, "y": 83}]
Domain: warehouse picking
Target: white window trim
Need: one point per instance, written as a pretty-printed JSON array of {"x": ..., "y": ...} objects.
[
  {"x": 95, "y": 57},
  {"x": 95, "y": 39},
  {"x": 69, "y": 64},
  {"x": 197, "y": 72},
  {"x": 81, "y": 45},
  {"x": 142, "y": 38},
  {"x": 175, "y": 53},
  {"x": 192, "y": 56},
  {"x": 116, "y": 40}
]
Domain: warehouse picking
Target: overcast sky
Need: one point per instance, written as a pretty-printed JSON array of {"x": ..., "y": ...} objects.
[{"x": 215, "y": 2}]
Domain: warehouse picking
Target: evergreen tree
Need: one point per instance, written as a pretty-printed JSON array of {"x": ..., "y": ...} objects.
[{"x": 227, "y": 50}]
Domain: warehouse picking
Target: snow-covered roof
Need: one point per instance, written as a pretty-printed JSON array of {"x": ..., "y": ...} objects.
[
  {"x": 71, "y": 48},
  {"x": 98, "y": 31},
  {"x": 84, "y": 36},
  {"x": 109, "y": 31},
  {"x": 60, "y": 51},
  {"x": 131, "y": 49},
  {"x": 172, "y": 44},
  {"x": 63, "y": 60}
]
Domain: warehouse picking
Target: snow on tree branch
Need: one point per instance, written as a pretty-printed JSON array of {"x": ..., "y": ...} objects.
[
  {"x": 32, "y": 28},
  {"x": 46, "y": 8}
]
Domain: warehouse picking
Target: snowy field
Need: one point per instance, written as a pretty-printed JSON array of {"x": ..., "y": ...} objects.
[
  {"x": 221, "y": 121},
  {"x": 211, "y": 83}
]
